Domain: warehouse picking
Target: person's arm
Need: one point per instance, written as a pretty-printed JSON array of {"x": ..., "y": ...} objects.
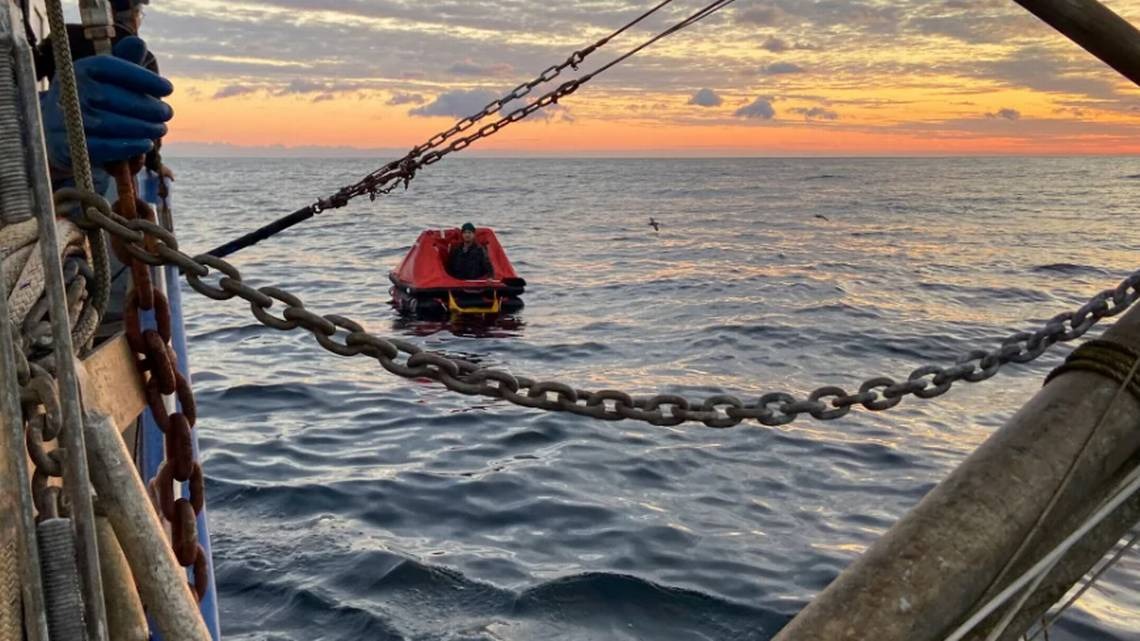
[
  {"x": 488, "y": 269},
  {"x": 453, "y": 262}
]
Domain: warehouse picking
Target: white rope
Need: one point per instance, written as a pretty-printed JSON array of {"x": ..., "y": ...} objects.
[
  {"x": 11, "y": 621},
  {"x": 1049, "y": 620},
  {"x": 23, "y": 270},
  {"x": 1127, "y": 488},
  {"x": 14, "y": 265},
  {"x": 16, "y": 237},
  {"x": 1011, "y": 612}
]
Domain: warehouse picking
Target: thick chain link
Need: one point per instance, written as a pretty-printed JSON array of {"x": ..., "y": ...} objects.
[
  {"x": 43, "y": 422},
  {"x": 159, "y": 366},
  {"x": 345, "y": 337}
]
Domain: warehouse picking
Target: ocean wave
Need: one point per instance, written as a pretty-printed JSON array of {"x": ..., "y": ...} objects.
[{"x": 1071, "y": 269}]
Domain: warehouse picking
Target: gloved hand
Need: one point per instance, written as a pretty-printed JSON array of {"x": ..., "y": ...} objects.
[{"x": 120, "y": 101}]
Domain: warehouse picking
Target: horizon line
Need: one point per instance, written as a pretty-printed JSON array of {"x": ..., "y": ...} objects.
[{"x": 331, "y": 153}]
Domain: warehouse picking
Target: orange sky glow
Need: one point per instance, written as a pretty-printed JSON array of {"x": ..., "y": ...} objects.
[{"x": 762, "y": 78}]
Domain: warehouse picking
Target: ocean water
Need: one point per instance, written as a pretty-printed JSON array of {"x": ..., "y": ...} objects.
[{"x": 347, "y": 504}]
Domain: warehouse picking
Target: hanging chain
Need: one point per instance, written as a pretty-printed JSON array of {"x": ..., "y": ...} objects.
[
  {"x": 345, "y": 337},
  {"x": 158, "y": 364},
  {"x": 400, "y": 172},
  {"x": 405, "y": 167},
  {"x": 43, "y": 422}
]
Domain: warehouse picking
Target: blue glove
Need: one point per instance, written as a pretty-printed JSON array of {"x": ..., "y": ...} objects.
[{"x": 120, "y": 100}]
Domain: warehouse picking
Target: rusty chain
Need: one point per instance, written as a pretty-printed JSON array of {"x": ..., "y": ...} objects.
[
  {"x": 158, "y": 365},
  {"x": 39, "y": 401},
  {"x": 345, "y": 337},
  {"x": 35, "y": 331},
  {"x": 36, "y": 371}
]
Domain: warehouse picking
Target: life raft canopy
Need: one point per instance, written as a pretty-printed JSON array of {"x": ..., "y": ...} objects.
[{"x": 422, "y": 284}]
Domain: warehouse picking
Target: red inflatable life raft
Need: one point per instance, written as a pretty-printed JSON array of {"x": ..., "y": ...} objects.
[{"x": 422, "y": 286}]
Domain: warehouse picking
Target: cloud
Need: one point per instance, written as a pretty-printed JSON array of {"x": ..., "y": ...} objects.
[
  {"x": 1071, "y": 111},
  {"x": 1043, "y": 70},
  {"x": 969, "y": 21},
  {"x": 706, "y": 98},
  {"x": 1007, "y": 113},
  {"x": 868, "y": 16},
  {"x": 401, "y": 98},
  {"x": 762, "y": 15},
  {"x": 297, "y": 87},
  {"x": 301, "y": 86},
  {"x": 781, "y": 68},
  {"x": 428, "y": 55},
  {"x": 816, "y": 113},
  {"x": 469, "y": 67},
  {"x": 457, "y": 104},
  {"x": 231, "y": 91},
  {"x": 759, "y": 109},
  {"x": 775, "y": 45}
]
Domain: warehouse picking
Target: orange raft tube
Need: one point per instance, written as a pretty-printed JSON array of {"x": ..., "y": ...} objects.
[{"x": 421, "y": 285}]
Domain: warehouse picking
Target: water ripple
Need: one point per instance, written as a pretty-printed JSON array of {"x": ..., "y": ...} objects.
[{"x": 346, "y": 504}]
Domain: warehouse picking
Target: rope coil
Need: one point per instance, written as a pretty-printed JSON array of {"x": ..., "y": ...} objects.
[{"x": 1107, "y": 358}]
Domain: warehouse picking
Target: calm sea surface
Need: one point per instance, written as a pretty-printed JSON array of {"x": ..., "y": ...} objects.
[{"x": 349, "y": 505}]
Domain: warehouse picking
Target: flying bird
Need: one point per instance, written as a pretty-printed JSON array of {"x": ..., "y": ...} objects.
[
  {"x": 823, "y": 217},
  {"x": 654, "y": 224}
]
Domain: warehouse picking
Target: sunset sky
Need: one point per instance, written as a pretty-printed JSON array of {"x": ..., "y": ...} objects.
[{"x": 764, "y": 77}]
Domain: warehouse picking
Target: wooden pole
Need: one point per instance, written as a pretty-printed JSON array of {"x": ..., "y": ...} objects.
[
  {"x": 1071, "y": 569},
  {"x": 126, "y": 619},
  {"x": 161, "y": 581},
  {"x": 1094, "y": 27},
  {"x": 932, "y": 569}
]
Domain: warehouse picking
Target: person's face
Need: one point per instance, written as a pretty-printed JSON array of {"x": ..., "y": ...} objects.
[{"x": 468, "y": 236}]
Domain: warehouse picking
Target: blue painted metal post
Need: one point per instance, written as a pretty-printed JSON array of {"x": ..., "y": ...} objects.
[{"x": 152, "y": 450}]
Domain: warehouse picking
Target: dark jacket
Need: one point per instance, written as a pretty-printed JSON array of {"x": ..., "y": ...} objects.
[{"x": 470, "y": 263}]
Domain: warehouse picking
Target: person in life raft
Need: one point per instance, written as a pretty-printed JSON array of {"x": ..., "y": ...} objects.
[{"x": 469, "y": 260}]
